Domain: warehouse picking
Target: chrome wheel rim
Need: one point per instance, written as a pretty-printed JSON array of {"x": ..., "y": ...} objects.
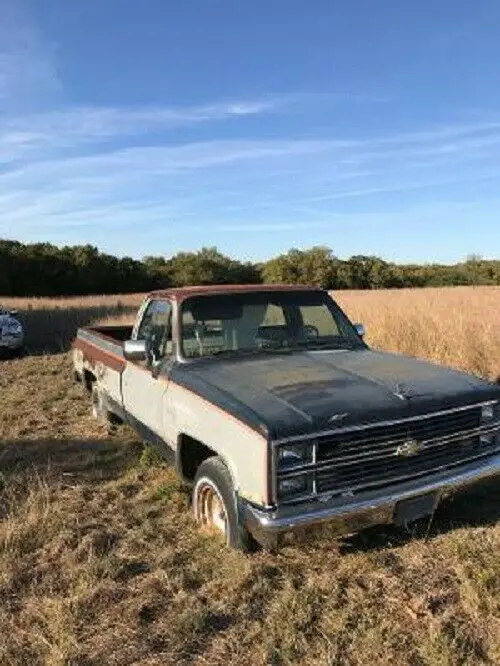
[{"x": 210, "y": 509}]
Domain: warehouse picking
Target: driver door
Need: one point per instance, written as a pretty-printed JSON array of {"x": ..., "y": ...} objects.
[{"x": 143, "y": 385}]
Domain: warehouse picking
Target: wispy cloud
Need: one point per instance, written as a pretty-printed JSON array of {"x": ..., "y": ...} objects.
[
  {"x": 442, "y": 132},
  {"x": 153, "y": 160},
  {"x": 166, "y": 184},
  {"x": 37, "y": 149},
  {"x": 41, "y": 136}
]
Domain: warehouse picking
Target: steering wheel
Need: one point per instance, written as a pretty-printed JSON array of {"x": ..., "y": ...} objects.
[
  {"x": 263, "y": 342},
  {"x": 310, "y": 331}
]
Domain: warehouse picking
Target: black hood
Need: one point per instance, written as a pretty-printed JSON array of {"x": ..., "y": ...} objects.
[{"x": 300, "y": 392}]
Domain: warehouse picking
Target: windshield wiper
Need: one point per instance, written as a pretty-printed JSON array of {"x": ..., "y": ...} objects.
[
  {"x": 226, "y": 352},
  {"x": 330, "y": 344},
  {"x": 249, "y": 351}
]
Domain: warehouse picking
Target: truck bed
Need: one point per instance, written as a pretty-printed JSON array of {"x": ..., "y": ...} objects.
[
  {"x": 115, "y": 333},
  {"x": 103, "y": 344}
]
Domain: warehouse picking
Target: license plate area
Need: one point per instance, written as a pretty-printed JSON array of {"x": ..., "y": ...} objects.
[{"x": 411, "y": 509}]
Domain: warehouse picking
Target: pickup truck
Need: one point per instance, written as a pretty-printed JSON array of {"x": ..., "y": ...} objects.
[{"x": 279, "y": 416}]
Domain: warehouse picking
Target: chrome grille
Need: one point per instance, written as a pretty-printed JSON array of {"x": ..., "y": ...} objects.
[
  {"x": 383, "y": 440},
  {"x": 367, "y": 457}
]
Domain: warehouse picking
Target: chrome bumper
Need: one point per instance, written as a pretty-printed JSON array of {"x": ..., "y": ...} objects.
[{"x": 375, "y": 508}]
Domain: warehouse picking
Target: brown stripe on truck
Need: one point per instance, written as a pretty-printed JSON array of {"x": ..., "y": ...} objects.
[{"x": 95, "y": 354}]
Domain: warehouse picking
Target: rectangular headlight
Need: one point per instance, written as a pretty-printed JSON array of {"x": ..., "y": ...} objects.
[
  {"x": 490, "y": 414},
  {"x": 295, "y": 486},
  {"x": 293, "y": 455}
]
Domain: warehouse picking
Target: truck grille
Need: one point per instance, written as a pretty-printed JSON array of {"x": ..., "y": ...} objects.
[{"x": 353, "y": 460}]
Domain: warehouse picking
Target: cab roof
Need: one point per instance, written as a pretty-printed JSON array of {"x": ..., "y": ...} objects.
[{"x": 181, "y": 293}]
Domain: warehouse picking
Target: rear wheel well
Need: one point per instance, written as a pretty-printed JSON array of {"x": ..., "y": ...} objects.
[
  {"x": 191, "y": 453},
  {"x": 88, "y": 379}
]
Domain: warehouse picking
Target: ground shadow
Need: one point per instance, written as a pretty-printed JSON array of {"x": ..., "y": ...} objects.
[
  {"x": 51, "y": 330},
  {"x": 73, "y": 460},
  {"x": 476, "y": 507}
]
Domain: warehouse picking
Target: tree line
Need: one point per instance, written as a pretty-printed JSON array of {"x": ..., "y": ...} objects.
[{"x": 42, "y": 269}]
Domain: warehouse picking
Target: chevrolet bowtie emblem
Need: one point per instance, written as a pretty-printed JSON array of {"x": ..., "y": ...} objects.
[{"x": 408, "y": 449}]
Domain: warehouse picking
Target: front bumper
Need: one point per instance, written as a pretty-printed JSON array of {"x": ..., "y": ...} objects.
[{"x": 375, "y": 508}]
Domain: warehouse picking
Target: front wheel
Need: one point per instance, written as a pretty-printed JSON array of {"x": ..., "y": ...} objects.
[{"x": 214, "y": 504}]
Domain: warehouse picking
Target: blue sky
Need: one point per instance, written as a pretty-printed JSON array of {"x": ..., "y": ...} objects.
[{"x": 157, "y": 126}]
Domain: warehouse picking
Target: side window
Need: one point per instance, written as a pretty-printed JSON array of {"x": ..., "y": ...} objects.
[{"x": 156, "y": 328}]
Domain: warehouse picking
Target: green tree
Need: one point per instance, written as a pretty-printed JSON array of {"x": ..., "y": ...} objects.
[
  {"x": 315, "y": 266},
  {"x": 42, "y": 269}
]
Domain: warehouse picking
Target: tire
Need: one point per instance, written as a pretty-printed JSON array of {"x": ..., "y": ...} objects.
[{"x": 213, "y": 487}]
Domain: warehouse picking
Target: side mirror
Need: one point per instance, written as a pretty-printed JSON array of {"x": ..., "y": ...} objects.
[
  {"x": 360, "y": 330},
  {"x": 134, "y": 350},
  {"x": 13, "y": 313}
]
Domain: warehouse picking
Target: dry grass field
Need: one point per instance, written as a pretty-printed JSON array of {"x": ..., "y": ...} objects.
[
  {"x": 100, "y": 562},
  {"x": 459, "y": 327},
  {"x": 51, "y": 323}
]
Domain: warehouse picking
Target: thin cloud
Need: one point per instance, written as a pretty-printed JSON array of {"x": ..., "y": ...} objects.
[
  {"x": 37, "y": 136},
  {"x": 449, "y": 131},
  {"x": 144, "y": 160},
  {"x": 415, "y": 214},
  {"x": 187, "y": 180},
  {"x": 404, "y": 187}
]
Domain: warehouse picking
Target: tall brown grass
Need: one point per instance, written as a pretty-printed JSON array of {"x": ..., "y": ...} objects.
[
  {"x": 51, "y": 323},
  {"x": 70, "y": 302},
  {"x": 459, "y": 326}
]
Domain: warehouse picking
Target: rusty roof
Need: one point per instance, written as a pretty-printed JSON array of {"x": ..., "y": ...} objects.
[{"x": 181, "y": 293}]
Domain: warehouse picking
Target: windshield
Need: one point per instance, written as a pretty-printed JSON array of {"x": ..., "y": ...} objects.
[{"x": 234, "y": 324}]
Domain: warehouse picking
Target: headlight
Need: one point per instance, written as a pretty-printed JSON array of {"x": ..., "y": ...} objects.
[
  {"x": 295, "y": 486},
  {"x": 294, "y": 455},
  {"x": 490, "y": 414}
]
